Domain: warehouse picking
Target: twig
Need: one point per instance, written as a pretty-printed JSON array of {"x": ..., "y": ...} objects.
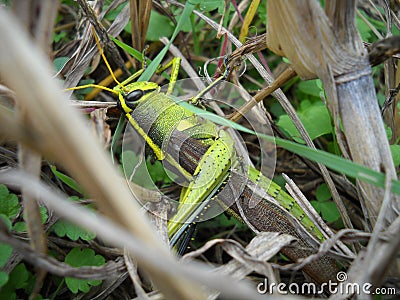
[{"x": 102, "y": 32}]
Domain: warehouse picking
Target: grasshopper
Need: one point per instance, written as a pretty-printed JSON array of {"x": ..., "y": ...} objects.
[{"x": 205, "y": 160}]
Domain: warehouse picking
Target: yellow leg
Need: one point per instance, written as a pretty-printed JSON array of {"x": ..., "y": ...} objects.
[
  {"x": 132, "y": 77},
  {"x": 91, "y": 85},
  {"x": 196, "y": 98},
  {"x": 174, "y": 64}
]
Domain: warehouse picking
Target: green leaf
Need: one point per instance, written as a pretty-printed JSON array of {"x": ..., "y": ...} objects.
[
  {"x": 262, "y": 13},
  {"x": 366, "y": 32},
  {"x": 315, "y": 118},
  {"x": 159, "y": 26},
  {"x": 364, "y": 29},
  {"x": 59, "y": 62},
  {"x": 112, "y": 14},
  {"x": 74, "y": 232},
  {"x": 310, "y": 87},
  {"x": 43, "y": 214},
  {"x": 67, "y": 180},
  {"x": 7, "y": 293},
  {"x": 158, "y": 172},
  {"x": 116, "y": 136},
  {"x": 389, "y": 132},
  {"x": 395, "y": 149},
  {"x": 186, "y": 24},
  {"x": 21, "y": 226},
  {"x": 129, "y": 162},
  {"x": 3, "y": 278},
  {"x": 19, "y": 276},
  {"x": 59, "y": 36},
  {"x": 5, "y": 253},
  {"x": 132, "y": 51},
  {"x": 146, "y": 173},
  {"x": 210, "y": 5},
  {"x": 9, "y": 205},
  {"x": 5, "y": 249},
  {"x": 79, "y": 94},
  {"x": 280, "y": 180},
  {"x": 6, "y": 221},
  {"x": 330, "y": 213},
  {"x": 323, "y": 193},
  {"x": 327, "y": 209},
  {"x": 78, "y": 258},
  {"x": 381, "y": 98}
]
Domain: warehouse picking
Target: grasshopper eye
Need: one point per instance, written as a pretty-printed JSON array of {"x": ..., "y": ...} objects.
[{"x": 133, "y": 96}]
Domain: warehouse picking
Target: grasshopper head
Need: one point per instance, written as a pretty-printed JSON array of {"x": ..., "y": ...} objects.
[{"x": 135, "y": 93}]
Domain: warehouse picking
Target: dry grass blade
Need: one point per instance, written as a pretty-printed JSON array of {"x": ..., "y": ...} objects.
[
  {"x": 38, "y": 18},
  {"x": 100, "y": 127},
  {"x": 140, "y": 17},
  {"x": 101, "y": 31},
  {"x": 145, "y": 253},
  {"x": 379, "y": 256},
  {"x": 79, "y": 63},
  {"x": 131, "y": 266},
  {"x": 58, "y": 132},
  {"x": 31, "y": 163},
  {"x": 261, "y": 248},
  {"x": 248, "y": 19}
]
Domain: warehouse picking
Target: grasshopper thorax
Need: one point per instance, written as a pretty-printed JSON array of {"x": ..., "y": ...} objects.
[{"x": 133, "y": 94}]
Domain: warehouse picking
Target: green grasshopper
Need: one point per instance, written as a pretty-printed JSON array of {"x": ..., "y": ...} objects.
[{"x": 206, "y": 157}]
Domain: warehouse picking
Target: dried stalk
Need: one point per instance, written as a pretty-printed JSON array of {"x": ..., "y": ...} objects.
[
  {"x": 38, "y": 18},
  {"x": 59, "y": 133},
  {"x": 333, "y": 51}
]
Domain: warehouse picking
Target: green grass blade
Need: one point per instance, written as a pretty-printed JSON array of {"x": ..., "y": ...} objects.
[
  {"x": 67, "y": 180},
  {"x": 132, "y": 51},
  {"x": 332, "y": 161},
  {"x": 157, "y": 61},
  {"x": 136, "y": 54}
]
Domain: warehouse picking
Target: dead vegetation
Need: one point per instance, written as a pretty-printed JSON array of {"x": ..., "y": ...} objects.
[{"x": 125, "y": 256}]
